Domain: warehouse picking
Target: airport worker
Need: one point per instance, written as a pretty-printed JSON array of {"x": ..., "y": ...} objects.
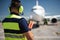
[
  {"x": 16, "y": 27},
  {"x": 45, "y": 21}
]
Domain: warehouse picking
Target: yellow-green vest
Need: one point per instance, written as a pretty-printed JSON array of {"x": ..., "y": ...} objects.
[{"x": 10, "y": 27}]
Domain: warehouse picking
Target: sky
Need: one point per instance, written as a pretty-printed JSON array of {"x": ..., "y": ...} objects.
[{"x": 52, "y": 7}]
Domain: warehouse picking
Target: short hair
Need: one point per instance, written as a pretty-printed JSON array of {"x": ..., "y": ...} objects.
[{"x": 15, "y": 1}]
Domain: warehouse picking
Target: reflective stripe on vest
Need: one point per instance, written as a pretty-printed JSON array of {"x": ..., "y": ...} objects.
[
  {"x": 11, "y": 25},
  {"x": 14, "y": 16},
  {"x": 14, "y": 35}
]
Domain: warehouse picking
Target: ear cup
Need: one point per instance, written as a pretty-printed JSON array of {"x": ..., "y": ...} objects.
[{"x": 21, "y": 9}]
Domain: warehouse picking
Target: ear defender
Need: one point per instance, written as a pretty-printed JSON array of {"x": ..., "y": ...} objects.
[
  {"x": 13, "y": 4},
  {"x": 21, "y": 9}
]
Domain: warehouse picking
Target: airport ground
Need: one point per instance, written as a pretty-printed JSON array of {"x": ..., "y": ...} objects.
[{"x": 43, "y": 32}]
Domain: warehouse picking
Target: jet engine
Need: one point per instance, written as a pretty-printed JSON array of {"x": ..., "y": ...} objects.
[{"x": 54, "y": 20}]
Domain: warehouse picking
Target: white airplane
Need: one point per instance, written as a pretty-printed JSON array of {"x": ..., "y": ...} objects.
[{"x": 38, "y": 15}]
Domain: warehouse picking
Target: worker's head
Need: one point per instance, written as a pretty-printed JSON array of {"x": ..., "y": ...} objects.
[
  {"x": 16, "y": 3},
  {"x": 16, "y": 6}
]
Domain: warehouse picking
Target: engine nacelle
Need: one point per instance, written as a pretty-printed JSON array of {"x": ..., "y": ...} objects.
[{"x": 53, "y": 20}]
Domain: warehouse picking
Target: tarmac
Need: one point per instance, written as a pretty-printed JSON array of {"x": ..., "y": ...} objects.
[
  {"x": 43, "y": 32},
  {"x": 1, "y": 32}
]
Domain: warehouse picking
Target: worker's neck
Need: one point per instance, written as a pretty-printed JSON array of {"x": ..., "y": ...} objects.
[{"x": 14, "y": 13}]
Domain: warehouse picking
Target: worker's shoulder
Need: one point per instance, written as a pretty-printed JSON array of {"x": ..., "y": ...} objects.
[
  {"x": 14, "y": 19},
  {"x": 14, "y": 16}
]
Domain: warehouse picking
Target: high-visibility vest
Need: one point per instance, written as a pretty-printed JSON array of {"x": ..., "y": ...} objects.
[{"x": 11, "y": 28}]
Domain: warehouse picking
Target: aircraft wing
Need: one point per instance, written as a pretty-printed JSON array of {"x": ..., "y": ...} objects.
[{"x": 54, "y": 16}]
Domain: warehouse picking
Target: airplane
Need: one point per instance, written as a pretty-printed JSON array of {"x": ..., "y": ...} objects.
[{"x": 38, "y": 15}]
